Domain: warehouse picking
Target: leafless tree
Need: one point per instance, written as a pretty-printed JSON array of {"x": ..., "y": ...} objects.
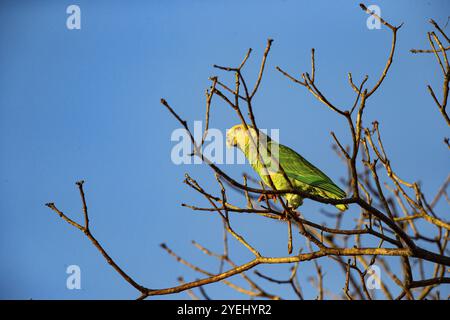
[{"x": 386, "y": 207}]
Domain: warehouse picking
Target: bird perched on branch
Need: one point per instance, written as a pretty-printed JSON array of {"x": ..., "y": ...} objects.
[{"x": 267, "y": 156}]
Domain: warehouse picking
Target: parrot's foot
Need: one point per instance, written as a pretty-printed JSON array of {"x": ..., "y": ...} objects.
[
  {"x": 262, "y": 197},
  {"x": 292, "y": 213}
]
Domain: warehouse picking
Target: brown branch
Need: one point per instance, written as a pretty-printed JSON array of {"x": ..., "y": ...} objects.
[
  {"x": 85, "y": 229},
  {"x": 391, "y": 54},
  {"x": 270, "y": 260},
  {"x": 261, "y": 70}
]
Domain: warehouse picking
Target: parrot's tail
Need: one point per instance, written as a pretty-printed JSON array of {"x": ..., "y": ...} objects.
[{"x": 342, "y": 207}]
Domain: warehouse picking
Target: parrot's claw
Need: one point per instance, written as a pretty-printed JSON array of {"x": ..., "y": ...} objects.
[
  {"x": 263, "y": 196},
  {"x": 293, "y": 212}
]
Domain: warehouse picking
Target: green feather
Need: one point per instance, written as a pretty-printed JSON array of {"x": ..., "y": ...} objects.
[
  {"x": 298, "y": 168},
  {"x": 302, "y": 174}
]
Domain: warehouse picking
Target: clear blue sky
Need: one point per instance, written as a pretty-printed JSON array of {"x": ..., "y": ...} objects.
[{"x": 84, "y": 104}]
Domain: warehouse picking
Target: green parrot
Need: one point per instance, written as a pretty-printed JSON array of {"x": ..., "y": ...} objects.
[{"x": 301, "y": 173}]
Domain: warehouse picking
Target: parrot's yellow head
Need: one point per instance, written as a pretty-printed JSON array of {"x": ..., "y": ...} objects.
[{"x": 238, "y": 136}]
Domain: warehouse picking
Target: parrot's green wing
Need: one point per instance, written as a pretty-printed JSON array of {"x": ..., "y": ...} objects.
[{"x": 298, "y": 168}]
